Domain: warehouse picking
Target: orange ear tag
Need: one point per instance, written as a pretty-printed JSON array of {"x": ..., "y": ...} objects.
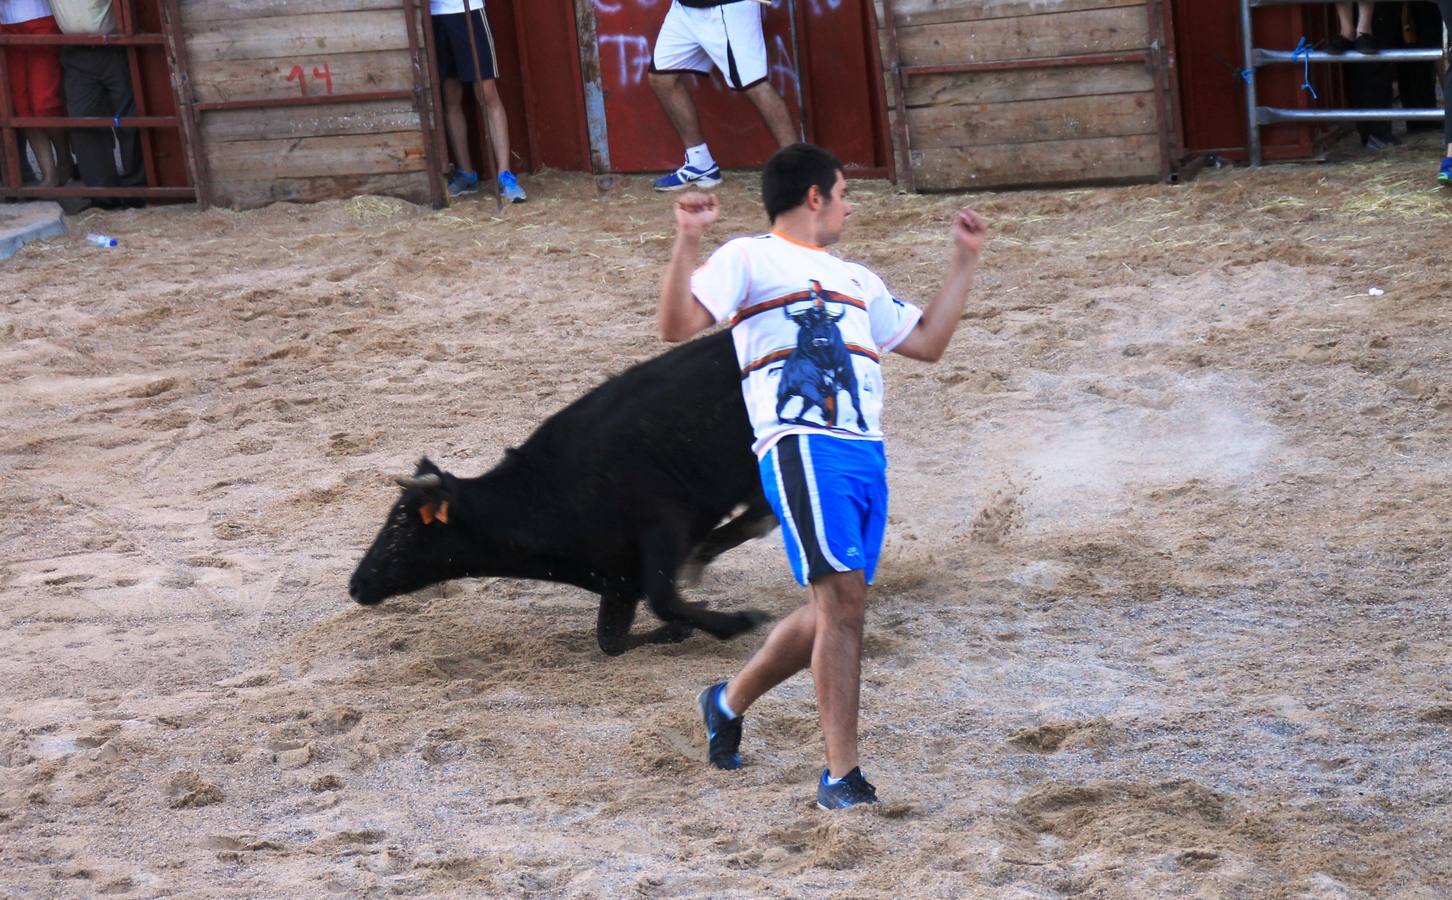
[{"x": 431, "y": 511}]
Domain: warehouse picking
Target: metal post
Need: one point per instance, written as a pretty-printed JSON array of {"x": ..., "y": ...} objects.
[
  {"x": 488, "y": 153},
  {"x": 1248, "y": 75},
  {"x": 420, "y": 105}
]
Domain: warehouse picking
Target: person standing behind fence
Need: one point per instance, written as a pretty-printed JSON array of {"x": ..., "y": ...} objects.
[
  {"x": 1356, "y": 32},
  {"x": 695, "y": 35},
  {"x": 456, "y": 66},
  {"x": 98, "y": 85},
  {"x": 34, "y": 74}
]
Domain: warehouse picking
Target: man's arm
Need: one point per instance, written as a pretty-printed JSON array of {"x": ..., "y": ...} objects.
[
  {"x": 681, "y": 315},
  {"x": 929, "y": 338}
]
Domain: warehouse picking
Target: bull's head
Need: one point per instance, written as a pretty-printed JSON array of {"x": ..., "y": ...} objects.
[
  {"x": 815, "y": 320},
  {"x": 423, "y": 541}
]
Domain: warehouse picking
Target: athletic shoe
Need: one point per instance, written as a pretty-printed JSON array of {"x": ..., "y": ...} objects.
[
  {"x": 688, "y": 176},
  {"x": 1445, "y": 175},
  {"x": 852, "y": 790},
  {"x": 509, "y": 188},
  {"x": 463, "y": 182},
  {"x": 1365, "y": 43},
  {"x": 1340, "y": 44},
  {"x": 724, "y": 734}
]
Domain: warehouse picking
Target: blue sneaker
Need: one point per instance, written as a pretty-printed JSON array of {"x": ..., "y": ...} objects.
[
  {"x": 509, "y": 188},
  {"x": 463, "y": 182},
  {"x": 852, "y": 790},
  {"x": 723, "y": 734},
  {"x": 686, "y": 177},
  {"x": 1445, "y": 175}
]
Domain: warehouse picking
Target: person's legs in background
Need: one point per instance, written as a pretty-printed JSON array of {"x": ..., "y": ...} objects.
[{"x": 1445, "y": 173}]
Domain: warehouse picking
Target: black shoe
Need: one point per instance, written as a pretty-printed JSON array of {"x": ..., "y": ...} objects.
[
  {"x": 1365, "y": 43},
  {"x": 1339, "y": 44},
  {"x": 723, "y": 734},
  {"x": 852, "y": 790}
]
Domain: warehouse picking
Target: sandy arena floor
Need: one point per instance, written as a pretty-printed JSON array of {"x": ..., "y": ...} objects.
[{"x": 1164, "y": 608}]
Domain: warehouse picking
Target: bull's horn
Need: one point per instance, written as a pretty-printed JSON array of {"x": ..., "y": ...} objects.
[{"x": 420, "y": 481}]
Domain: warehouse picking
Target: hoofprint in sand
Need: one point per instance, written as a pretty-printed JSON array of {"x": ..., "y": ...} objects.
[{"x": 1164, "y": 606}]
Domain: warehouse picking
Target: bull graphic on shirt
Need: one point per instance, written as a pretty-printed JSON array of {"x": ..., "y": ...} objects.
[{"x": 820, "y": 367}]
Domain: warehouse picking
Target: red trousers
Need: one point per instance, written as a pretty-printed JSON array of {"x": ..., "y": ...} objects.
[{"x": 34, "y": 73}]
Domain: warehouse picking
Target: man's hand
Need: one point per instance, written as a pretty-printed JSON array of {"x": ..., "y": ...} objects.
[
  {"x": 696, "y": 212},
  {"x": 970, "y": 232}
]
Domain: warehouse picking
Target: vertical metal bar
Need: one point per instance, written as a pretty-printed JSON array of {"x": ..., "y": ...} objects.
[
  {"x": 477, "y": 87},
  {"x": 804, "y": 125},
  {"x": 1156, "y": 60},
  {"x": 879, "y": 89},
  {"x": 900, "y": 97},
  {"x": 138, "y": 93},
  {"x": 1172, "y": 80},
  {"x": 526, "y": 82},
  {"x": 9, "y": 136},
  {"x": 436, "y": 194},
  {"x": 1247, "y": 47},
  {"x": 186, "y": 109},
  {"x": 441, "y": 151},
  {"x": 596, "y": 127}
]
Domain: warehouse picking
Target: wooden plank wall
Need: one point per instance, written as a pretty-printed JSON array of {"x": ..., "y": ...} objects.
[
  {"x": 1024, "y": 127},
  {"x": 277, "y": 49}
]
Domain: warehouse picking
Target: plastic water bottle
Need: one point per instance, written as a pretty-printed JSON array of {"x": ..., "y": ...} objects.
[{"x": 101, "y": 240}]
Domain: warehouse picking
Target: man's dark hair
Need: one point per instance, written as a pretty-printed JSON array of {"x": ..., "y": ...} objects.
[{"x": 791, "y": 172}]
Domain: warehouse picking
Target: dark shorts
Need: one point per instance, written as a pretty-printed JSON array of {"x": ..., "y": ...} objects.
[{"x": 451, "y": 40}]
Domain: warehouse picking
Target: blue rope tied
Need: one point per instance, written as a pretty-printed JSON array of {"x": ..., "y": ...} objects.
[
  {"x": 116, "y": 121},
  {"x": 1303, "y": 53},
  {"x": 1245, "y": 74}
]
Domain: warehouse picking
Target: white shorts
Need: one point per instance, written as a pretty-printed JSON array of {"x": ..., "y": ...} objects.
[{"x": 729, "y": 37}]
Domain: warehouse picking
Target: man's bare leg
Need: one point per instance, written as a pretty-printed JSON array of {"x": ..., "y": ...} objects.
[
  {"x": 840, "y": 600},
  {"x": 787, "y": 651},
  {"x": 774, "y": 113},
  {"x": 455, "y": 124},
  {"x": 676, "y": 100},
  {"x": 498, "y": 124}
]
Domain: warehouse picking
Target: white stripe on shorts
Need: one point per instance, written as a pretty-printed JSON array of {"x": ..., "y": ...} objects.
[
  {"x": 790, "y": 525},
  {"x": 804, "y": 445}
]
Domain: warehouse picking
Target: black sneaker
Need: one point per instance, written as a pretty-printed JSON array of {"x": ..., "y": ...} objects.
[
  {"x": 1340, "y": 44},
  {"x": 1365, "y": 43},
  {"x": 850, "y": 791},
  {"x": 724, "y": 734}
]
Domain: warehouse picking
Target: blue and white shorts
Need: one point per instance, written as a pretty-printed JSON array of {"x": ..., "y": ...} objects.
[{"x": 830, "y": 496}]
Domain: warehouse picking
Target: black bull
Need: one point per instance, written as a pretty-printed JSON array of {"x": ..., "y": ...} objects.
[{"x": 620, "y": 493}]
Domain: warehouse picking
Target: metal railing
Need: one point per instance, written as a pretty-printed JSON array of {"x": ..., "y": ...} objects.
[
  {"x": 11, "y": 125},
  {"x": 1256, "y": 57}
]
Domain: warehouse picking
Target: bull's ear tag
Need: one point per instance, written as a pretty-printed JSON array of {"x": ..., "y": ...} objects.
[{"x": 430, "y": 512}]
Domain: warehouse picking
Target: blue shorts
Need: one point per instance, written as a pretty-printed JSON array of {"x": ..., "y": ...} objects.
[
  {"x": 451, "y": 43},
  {"x": 830, "y": 496}
]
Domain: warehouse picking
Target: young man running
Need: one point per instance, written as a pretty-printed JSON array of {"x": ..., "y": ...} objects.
[
  {"x": 695, "y": 35},
  {"x": 809, "y": 330}
]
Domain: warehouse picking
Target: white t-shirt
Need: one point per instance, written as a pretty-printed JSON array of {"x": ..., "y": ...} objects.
[
  {"x": 453, "y": 7},
  {"x": 810, "y": 330},
  {"x": 13, "y": 12}
]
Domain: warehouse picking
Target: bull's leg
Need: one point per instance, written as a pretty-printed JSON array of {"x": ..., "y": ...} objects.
[
  {"x": 756, "y": 520},
  {"x": 662, "y": 551},
  {"x": 849, "y": 382},
  {"x": 612, "y": 627}
]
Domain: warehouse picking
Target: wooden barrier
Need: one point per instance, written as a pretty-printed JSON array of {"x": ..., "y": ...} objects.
[
  {"x": 1004, "y": 93},
  {"x": 306, "y": 99}
]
